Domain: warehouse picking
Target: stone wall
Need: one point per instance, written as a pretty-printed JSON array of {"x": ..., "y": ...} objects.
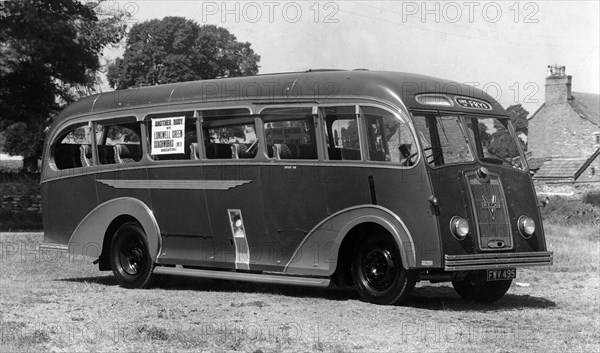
[
  {"x": 19, "y": 203},
  {"x": 558, "y": 131},
  {"x": 20, "y": 193}
]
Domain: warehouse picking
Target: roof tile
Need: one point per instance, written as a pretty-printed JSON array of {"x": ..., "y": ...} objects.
[{"x": 587, "y": 105}]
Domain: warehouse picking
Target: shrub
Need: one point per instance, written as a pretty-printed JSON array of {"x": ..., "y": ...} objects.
[
  {"x": 592, "y": 198},
  {"x": 569, "y": 211}
]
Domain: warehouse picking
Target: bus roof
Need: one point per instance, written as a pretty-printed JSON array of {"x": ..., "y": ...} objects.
[{"x": 313, "y": 85}]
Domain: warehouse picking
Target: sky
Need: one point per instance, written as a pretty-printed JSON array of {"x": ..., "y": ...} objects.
[{"x": 503, "y": 47}]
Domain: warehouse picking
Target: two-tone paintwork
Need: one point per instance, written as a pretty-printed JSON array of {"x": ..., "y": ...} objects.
[{"x": 297, "y": 213}]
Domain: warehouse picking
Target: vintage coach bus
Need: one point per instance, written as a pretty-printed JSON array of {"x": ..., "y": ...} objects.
[{"x": 320, "y": 178}]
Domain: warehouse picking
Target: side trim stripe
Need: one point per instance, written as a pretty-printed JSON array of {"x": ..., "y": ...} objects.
[{"x": 174, "y": 184}]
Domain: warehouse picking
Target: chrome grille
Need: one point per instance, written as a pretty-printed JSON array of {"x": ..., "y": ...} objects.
[{"x": 491, "y": 212}]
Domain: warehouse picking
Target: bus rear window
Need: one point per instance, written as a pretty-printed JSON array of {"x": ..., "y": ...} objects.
[{"x": 74, "y": 148}]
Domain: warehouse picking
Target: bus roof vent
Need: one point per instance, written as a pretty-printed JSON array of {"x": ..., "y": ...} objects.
[{"x": 434, "y": 99}]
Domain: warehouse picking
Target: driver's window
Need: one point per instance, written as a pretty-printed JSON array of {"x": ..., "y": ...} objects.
[
  {"x": 389, "y": 139},
  {"x": 442, "y": 139}
]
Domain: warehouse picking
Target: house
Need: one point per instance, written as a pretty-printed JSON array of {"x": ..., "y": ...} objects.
[{"x": 564, "y": 133}]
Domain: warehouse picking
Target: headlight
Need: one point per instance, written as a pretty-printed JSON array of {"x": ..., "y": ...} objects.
[
  {"x": 526, "y": 226},
  {"x": 459, "y": 227}
]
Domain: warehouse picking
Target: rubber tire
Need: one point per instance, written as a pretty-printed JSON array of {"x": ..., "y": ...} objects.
[
  {"x": 400, "y": 284},
  {"x": 131, "y": 273},
  {"x": 480, "y": 291}
]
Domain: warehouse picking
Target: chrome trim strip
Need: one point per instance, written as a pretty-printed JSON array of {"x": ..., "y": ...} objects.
[
  {"x": 498, "y": 255},
  {"x": 489, "y": 261},
  {"x": 54, "y": 247},
  {"x": 243, "y": 276},
  {"x": 174, "y": 184}
]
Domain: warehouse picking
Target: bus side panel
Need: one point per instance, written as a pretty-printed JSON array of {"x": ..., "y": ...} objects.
[
  {"x": 182, "y": 214},
  {"x": 295, "y": 202},
  {"x": 110, "y": 185},
  {"x": 235, "y": 187},
  {"x": 65, "y": 202},
  {"x": 404, "y": 192}
]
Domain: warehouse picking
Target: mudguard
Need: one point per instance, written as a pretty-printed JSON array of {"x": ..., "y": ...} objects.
[
  {"x": 317, "y": 253},
  {"x": 88, "y": 237}
]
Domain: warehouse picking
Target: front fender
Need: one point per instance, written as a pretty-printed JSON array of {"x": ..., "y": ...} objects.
[
  {"x": 317, "y": 253},
  {"x": 88, "y": 237}
]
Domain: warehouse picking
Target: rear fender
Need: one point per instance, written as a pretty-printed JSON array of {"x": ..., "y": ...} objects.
[{"x": 88, "y": 237}]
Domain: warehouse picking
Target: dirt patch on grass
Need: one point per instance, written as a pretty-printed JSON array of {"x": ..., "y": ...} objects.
[{"x": 57, "y": 302}]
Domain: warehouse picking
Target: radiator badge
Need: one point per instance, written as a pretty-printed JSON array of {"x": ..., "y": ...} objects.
[{"x": 490, "y": 205}]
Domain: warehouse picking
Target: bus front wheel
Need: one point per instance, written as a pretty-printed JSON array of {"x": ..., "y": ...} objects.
[
  {"x": 378, "y": 273},
  {"x": 481, "y": 291},
  {"x": 129, "y": 257}
]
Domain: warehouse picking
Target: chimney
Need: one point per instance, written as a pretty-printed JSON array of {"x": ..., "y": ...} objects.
[{"x": 558, "y": 85}]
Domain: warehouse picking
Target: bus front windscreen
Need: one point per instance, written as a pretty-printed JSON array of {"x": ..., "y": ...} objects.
[
  {"x": 494, "y": 141},
  {"x": 445, "y": 139}
]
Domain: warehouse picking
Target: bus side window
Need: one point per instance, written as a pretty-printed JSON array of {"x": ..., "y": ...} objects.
[
  {"x": 73, "y": 148},
  {"x": 388, "y": 138},
  {"x": 173, "y": 136},
  {"x": 231, "y": 142},
  {"x": 119, "y": 143},
  {"x": 341, "y": 130},
  {"x": 290, "y": 133},
  {"x": 291, "y": 139}
]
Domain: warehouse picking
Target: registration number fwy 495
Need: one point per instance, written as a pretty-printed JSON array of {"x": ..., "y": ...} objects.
[{"x": 500, "y": 275}]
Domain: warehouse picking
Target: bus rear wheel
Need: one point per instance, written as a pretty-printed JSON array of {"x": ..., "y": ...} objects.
[
  {"x": 129, "y": 257},
  {"x": 481, "y": 291},
  {"x": 378, "y": 273}
]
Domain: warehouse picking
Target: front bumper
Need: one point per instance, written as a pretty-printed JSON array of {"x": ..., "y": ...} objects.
[{"x": 501, "y": 260}]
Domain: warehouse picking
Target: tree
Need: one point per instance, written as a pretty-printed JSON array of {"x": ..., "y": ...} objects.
[
  {"x": 518, "y": 116},
  {"x": 49, "y": 57},
  {"x": 484, "y": 135},
  {"x": 502, "y": 145},
  {"x": 176, "y": 49}
]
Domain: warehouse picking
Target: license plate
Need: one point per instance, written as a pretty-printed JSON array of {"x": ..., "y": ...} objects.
[{"x": 500, "y": 275}]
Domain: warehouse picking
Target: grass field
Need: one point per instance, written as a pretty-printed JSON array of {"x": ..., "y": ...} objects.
[{"x": 54, "y": 302}]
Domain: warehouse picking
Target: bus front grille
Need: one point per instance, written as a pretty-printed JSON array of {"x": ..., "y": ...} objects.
[
  {"x": 492, "y": 261},
  {"x": 491, "y": 212}
]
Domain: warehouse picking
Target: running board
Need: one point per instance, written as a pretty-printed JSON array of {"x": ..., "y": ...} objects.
[{"x": 243, "y": 276}]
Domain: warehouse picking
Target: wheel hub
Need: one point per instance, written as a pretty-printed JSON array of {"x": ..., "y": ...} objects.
[
  {"x": 379, "y": 268},
  {"x": 132, "y": 258}
]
